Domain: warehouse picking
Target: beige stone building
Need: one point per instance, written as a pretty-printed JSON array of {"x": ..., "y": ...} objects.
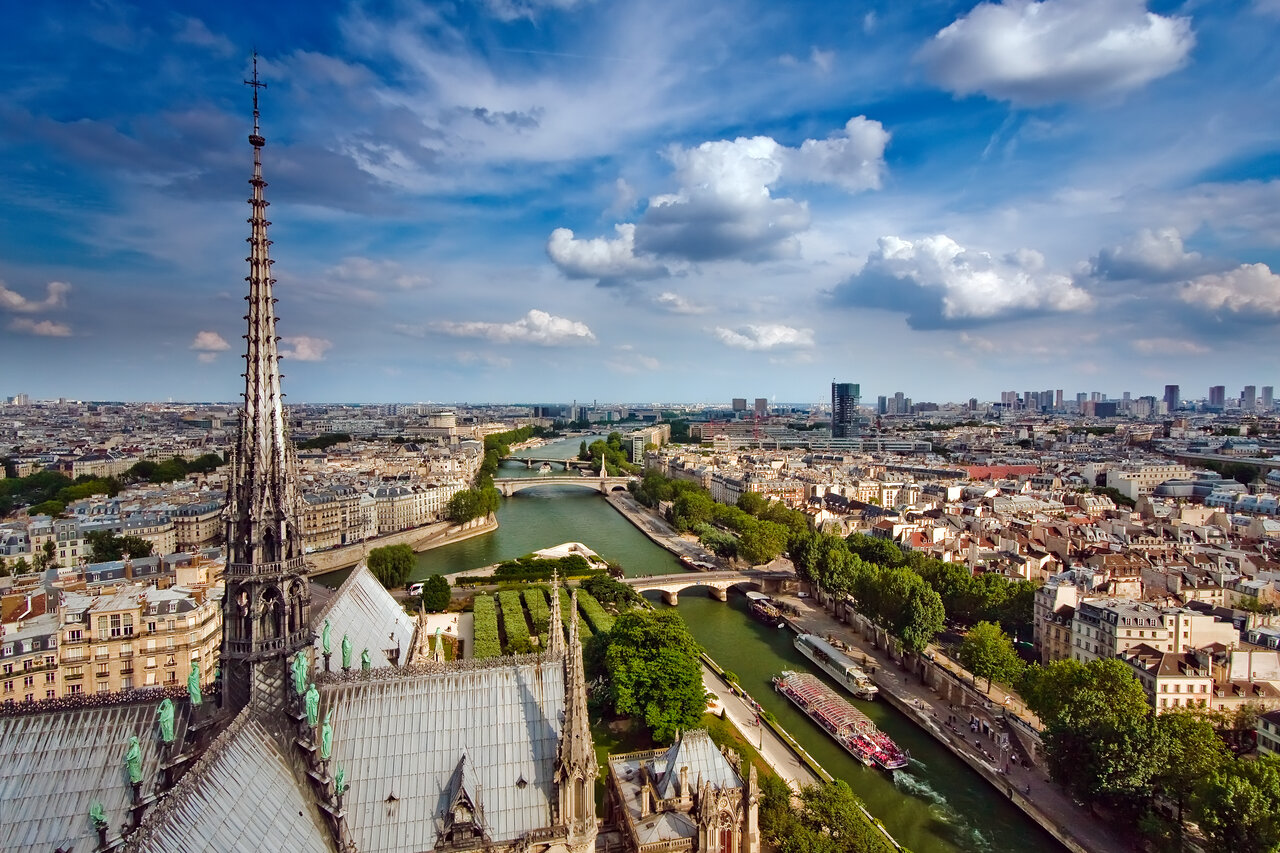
[{"x": 197, "y": 525}]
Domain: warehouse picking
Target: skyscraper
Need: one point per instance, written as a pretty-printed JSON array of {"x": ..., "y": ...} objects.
[
  {"x": 844, "y": 409},
  {"x": 1217, "y": 396},
  {"x": 739, "y": 404},
  {"x": 1249, "y": 398},
  {"x": 1172, "y": 397},
  {"x": 1268, "y": 397},
  {"x": 762, "y": 406}
]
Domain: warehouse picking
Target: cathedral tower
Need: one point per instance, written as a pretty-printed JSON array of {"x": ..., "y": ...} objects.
[
  {"x": 576, "y": 769},
  {"x": 265, "y": 612}
]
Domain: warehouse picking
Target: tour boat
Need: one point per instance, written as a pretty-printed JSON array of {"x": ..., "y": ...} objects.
[
  {"x": 837, "y": 665},
  {"x": 850, "y": 728},
  {"x": 763, "y": 609}
]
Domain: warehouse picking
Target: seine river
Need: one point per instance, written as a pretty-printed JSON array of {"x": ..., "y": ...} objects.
[{"x": 938, "y": 806}]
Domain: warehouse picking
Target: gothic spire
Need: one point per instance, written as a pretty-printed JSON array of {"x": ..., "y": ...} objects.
[
  {"x": 576, "y": 766},
  {"x": 266, "y": 606},
  {"x": 555, "y": 630}
]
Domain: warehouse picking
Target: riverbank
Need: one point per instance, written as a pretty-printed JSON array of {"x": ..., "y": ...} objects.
[
  {"x": 660, "y": 531},
  {"x": 419, "y": 539},
  {"x": 945, "y": 713}
]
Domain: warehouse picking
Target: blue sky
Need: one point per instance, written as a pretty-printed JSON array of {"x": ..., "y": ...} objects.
[{"x": 541, "y": 200}]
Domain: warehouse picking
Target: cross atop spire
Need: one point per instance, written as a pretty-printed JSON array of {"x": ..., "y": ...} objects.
[{"x": 256, "y": 138}]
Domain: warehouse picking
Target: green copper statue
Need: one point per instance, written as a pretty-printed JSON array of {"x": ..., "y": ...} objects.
[
  {"x": 365, "y": 663},
  {"x": 98, "y": 815},
  {"x": 324, "y": 638},
  {"x": 193, "y": 685},
  {"x": 300, "y": 673},
  {"x": 326, "y": 737},
  {"x": 346, "y": 652},
  {"x": 312, "y": 702},
  {"x": 165, "y": 713},
  {"x": 133, "y": 760},
  {"x": 340, "y": 781},
  {"x": 439, "y": 651}
]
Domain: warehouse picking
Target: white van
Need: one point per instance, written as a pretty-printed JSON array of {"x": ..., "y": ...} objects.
[{"x": 415, "y": 589}]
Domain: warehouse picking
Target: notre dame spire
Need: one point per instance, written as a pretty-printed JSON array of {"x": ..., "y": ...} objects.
[{"x": 265, "y": 613}]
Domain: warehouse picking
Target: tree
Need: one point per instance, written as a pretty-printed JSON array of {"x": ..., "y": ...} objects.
[
  {"x": 988, "y": 653},
  {"x": 107, "y": 546},
  {"x": 1099, "y": 735},
  {"x": 873, "y": 549},
  {"x": 1191, "y": 752},
  {"x": 829, "y": 820},
  {"x": 752, "y": 502},
  {"x": 20, "y": 566},
  {"x": 654, "y": 672},
  {"x": 1238, "y": 806},
  {"x": 54, "y": 508},
  {"x": 436, "y": 594},
  {"x": 470, "y": 504},
  {"x": 762, "y": 541},
  {"x": 391, "y": 564}
]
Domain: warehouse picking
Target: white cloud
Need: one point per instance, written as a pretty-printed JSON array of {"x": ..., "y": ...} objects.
[
  {"x": 677, "y": 304},
  {"x": 1148, "y": 255},
  {"x": 937, "y": 282},
  {"x": 208, "y": 344},
  {"x": 536, "y": 327},
  {"x": 305, "y": 348},
  {"x": 514, "y": 10},
  {"x": 764, "y": 337},
  {"x": 823, "y": 60},
  {"x": 369, "y": 271},
  {"x": 853, "y": 160},
  {"x": 1039, "y": 52},
  {"x": 55, "y": 297},
  {"x": 1168, "y": 346},
  {"x": 624, "y": 197},
  {"x": 41, "y": 328},
  {"x": 601, "y": 258},
  {"x": 1251, "y": 289}
]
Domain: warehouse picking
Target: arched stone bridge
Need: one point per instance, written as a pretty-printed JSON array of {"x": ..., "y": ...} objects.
[
  {"x": 718, "y": 582},
  {"x": 508, "y": 486},
  {"x": 530, "y": 461}
]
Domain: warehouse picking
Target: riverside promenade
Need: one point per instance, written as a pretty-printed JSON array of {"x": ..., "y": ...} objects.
[
  {"x": 419, "y": 539},
  {"x": 939, "y": 713}
]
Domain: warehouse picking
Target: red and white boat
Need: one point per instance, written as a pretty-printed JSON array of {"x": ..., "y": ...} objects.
[{"x": 851, "y": 728}]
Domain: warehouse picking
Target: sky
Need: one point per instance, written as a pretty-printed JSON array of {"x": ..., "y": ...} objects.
[{"x": 554, "y": 200}]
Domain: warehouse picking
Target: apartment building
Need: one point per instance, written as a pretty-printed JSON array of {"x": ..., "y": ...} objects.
[
  {"x": 1172, "y": 679},
  {"x": 28, "y": 649},
  {"x": 1108, "y": 627},
  {"x": 197, "y": 525},
  {"x": 337, "y": 516},
  {"x": 1135, "y": 481}
]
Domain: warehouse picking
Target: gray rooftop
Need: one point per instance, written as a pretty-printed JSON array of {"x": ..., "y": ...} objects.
[
  {"x": 401, "y": 738},
  {"x": 364, "y": 610}
]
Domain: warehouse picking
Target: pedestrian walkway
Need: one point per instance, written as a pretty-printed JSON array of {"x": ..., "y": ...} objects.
[{"x": 950, "y": 724}]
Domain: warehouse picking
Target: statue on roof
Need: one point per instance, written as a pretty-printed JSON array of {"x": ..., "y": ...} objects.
[
  {"x": 438, "y": 654},
  {"x": 98, "y": 815},
  {"x": 326, "y": 737},
  {"x": 340, "y": 781},
  {"x": 366, "y": 663},
  {"x": 193, "y": 685},
  {"x": 300, "y": 672},
  {"x": 312, "y": 702},
  {"x": 133, "y": 761},
  {"x": 346, "y": 652},
  {"x": 165, "y": 713},
  {"x": 325, "y": 645}
]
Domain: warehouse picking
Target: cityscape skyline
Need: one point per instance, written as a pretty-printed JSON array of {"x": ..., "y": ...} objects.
[{"x": 465, "y": 189}]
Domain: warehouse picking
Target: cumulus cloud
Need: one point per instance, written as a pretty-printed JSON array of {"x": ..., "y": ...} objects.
[
  {"x": 536, "y": 327},
  {"x": 600, "y": 258},
  {"x": 1148, "y": 256},
  {"x": 1040, "y": 52},
  {"x": 1250, "y": 290},
  {"x": 208, "y": 344},
  {"x": 937, "y": 282},
  {"x": 305, "y": 348},
  {"x": 55, "y": 297},
  {"x": 724, "y": 205},
  {"x": 677, "y": 304},
  {"x": 41, "y": 328},
  {"x": 764, "y": 337}
]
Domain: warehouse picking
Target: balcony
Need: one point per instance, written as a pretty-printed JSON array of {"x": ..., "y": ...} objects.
[{"x": 73, "y": 676}]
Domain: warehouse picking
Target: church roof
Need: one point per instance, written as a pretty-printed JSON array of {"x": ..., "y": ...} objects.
[
  {"x": 698, "y": 752},
  {"x": 400, "y": 737},
  {"x": 55, "y": 765},
  {"x": 368, "y": 614},
  {"x": 242, "y": 795}
]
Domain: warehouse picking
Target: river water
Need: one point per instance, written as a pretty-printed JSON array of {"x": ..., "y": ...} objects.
[{"x": 938, "y": 806}]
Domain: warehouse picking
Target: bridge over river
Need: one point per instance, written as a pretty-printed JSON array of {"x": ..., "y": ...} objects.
[
  {"x": 508, "y": 486},
  {"x": 718, "y": 582}
]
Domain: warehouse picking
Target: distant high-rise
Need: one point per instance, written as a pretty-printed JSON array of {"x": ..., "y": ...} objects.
[
  {"x": 762, "y": 406},
  {"x": 1249, "y": 398},
  {"x": 1057, "y": 399},
  {"x": 882, "y": 405},
  {"x": 739, "y": 404},
  {"x": 1218, "y": 396},
  {"x": 1172, "y": 397},
  {"x": 1268, "y": 397},
  {"x": 844, "y": 409}
]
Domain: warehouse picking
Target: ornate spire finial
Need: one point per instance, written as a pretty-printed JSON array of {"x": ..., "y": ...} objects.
[
  {"x": 555, "y": 628},
  {"x": 256, "y": 139}
]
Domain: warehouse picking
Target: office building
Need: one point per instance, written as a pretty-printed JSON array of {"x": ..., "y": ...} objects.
[
  {"x": 1249, "y": 398},
  {"x": 739, "y": 404},
  {"x": 1268, "y": 397},
  {"x": 1172, "y": 397},
  {"x": 844, "y": 409},
  {"x": 762, "y": 407},
  {"x": 1217, "y": 396}
]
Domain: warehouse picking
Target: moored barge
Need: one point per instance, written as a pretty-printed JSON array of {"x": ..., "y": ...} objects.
[{"x": 851, "y": 728}]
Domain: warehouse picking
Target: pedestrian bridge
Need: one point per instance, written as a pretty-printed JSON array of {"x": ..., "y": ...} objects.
[
  {"x": 718, "y": 582},
  {"x": 508, "y": 486}
]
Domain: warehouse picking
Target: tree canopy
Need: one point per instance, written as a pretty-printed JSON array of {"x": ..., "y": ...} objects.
[
  {"x": 436, "y": 594},
  {"x": 1239, "y": 806},
  {"x": 654, "y": 673},
  {"x": 988, "y": 653},
  {"x": 108, "y": 546},
  {"x": 470, "y": 504},
  {"x": 391, "y": 564},
  {"x": 828, "y": 820}
]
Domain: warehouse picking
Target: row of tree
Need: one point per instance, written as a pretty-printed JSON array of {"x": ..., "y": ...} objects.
[
  {"x": 1106, "y": 746},
  {"x": 470, "y": 504},
  {"x": 609, "y": 453}
]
